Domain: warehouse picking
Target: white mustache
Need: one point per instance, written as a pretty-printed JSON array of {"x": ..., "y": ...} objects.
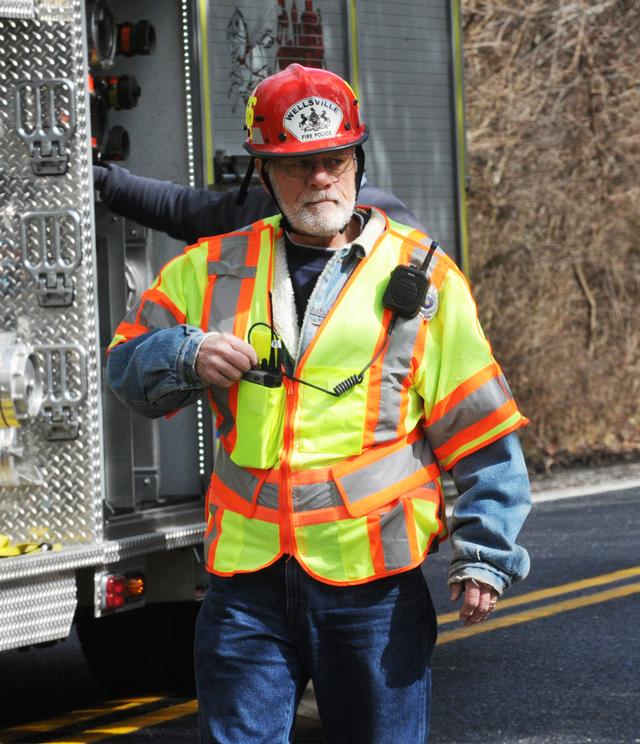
[{"x": 322, "y": 196}]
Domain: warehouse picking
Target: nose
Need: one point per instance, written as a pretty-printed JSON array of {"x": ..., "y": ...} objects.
[{"x": 319, "y": 178}]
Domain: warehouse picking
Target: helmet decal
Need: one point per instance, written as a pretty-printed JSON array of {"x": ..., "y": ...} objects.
[
  {"x": 312, "y": 119},
  {"x": 250, "y": 113}
]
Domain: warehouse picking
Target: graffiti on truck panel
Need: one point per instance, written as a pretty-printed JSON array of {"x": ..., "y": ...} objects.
[
  {"x": 299, "y": 38},
  {"x": 249, "y": 56},
  {"x": 257, "y": 51}
]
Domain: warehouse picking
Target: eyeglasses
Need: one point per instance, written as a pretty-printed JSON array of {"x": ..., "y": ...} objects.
[{"x": 334, "y": 165}]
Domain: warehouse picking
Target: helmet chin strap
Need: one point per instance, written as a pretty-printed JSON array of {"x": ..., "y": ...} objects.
[
  {"x": 359, "y": 168},
  {"x": 284, "y": 222},
  {"x": 242, "y": 192}
]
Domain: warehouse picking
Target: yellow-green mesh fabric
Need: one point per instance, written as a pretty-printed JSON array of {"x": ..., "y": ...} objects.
[
  {"x": 426, "y": 521},
  {"x": 184, "y": 282},
  {"x": 456, "y": 347},
  {"x": 338, "y": 551},
  {"x": 259, "y": 425},
  {"x": 245, "y": 544},
  {"x": 328, "y": 429},
  {"x": 403, "y": 230},
  {"x": 259, "y": 310}
]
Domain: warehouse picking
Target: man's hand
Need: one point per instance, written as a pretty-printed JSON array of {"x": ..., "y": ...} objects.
[
  {"x": 479, "y": 600},
  {"x": 223, "y": 358}
]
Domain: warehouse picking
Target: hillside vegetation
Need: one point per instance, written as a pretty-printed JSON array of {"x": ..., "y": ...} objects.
[{"x": 553, "y": 127}]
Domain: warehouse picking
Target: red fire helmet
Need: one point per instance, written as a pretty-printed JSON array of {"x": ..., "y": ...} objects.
[{"x": 300, "y": 111}]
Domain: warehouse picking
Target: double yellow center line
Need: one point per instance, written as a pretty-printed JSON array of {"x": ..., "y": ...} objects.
[
  {"x": 72, "y": 718},
  {"x": 130, "y": 725},
  {"x": 134, "y": 723},
  {"x": 554, "y": 608}
]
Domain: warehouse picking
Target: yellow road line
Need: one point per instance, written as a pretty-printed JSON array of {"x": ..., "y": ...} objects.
[
  {"x": 188, "y": 708},
  {"x": 73, "y": 717},
  {"x": 538, "y": 613},
  {"x": 129, "y": 725},
  {"x": 554, "y": 591}
]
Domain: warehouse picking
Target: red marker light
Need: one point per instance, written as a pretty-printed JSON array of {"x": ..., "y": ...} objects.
[
  {"x": 118, "y": 590},
  {"x": 115, "y": 588}
]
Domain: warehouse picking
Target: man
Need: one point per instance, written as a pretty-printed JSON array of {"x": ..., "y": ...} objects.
[
  {"x": 188, "y": 214},
  {"x": 341, "y": 387}
]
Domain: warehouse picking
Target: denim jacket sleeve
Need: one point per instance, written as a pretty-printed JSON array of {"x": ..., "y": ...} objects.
[
  {"x": 494, "y": 500},
  {"x": 154, "y": 373}
]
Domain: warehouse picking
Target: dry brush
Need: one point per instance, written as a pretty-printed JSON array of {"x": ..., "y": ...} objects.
[{"x": 553, "y": 128}]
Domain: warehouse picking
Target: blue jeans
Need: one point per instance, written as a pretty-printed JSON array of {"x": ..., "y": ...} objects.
[{"x": 261, "y": 636}]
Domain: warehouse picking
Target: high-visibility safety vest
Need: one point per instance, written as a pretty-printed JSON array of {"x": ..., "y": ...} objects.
[{"x": 348, "y": 485}]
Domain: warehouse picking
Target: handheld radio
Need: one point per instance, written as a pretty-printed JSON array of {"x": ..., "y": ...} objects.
[{"x": 407, "y": 287}]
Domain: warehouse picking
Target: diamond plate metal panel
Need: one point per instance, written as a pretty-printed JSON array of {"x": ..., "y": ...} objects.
[
  {"x": 40, "y": 611},
  {"x": 100, "y": 553},
  {"x": 17, "y": 9},
  {"x": 68, "y": 507}
]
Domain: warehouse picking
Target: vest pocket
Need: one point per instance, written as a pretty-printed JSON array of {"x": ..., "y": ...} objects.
[
  {"x": 259, "y": 428},
  {"x": 383, "y": 474},
  {"x": 331, "y": 427}
]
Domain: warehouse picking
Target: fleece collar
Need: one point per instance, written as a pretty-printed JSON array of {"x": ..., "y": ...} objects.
[{"x": 285, "y": 317}]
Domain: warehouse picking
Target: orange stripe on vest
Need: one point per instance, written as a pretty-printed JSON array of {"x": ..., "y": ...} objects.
[
  {"x": 462, "y": 391},
  {"x": 475, "y": 430}
]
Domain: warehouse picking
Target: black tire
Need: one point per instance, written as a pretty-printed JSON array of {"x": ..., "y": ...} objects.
[{"x": 150, "y": 648}]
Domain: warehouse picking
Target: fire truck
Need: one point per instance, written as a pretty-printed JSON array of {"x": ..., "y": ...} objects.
[{"x": 101, "y": 510}]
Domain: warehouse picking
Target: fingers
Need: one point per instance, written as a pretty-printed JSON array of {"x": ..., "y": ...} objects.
[
  {"x": 479, "y": 601},
  {"x": 223, "y": 359}
]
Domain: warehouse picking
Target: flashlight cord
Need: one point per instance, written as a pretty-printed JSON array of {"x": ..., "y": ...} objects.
[{"x": 342, "y": 387}]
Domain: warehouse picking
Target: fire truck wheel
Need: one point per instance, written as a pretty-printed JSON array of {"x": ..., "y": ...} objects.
[{"x": 143, "y": 649}]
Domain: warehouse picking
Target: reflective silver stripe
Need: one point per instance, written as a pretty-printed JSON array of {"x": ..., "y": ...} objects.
[
  {"x": 478, "y": 404},
  {"x": 394, "y": 538},
  {"x": 230, "y": 272},
  {"x": 132, "y": 315},
  {"x": 156, "y": 316},
  {"x": 397, "y": 360},
  {"x": 387, "y": 471},
  {"x": 268, "y": 496},
  {"x": 208, "y": 540},
  {"x": 315, "y": 496},
  {"x": 395, "y": 367},
  {"x": 234, "y": 477},
  {"x": 225, "y": 267},
  {"x": 235, "y": 249},
  {"x": 221, "y": 400},
  {"x": 418, "y": 255},
  {"x": 243, "y": 483},
  {"x": 233, "y": 257}
]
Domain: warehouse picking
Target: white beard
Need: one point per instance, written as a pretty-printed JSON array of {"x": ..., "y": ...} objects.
[{"x": 325, "y": 221}]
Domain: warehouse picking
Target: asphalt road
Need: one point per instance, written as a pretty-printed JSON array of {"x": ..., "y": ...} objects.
[
  {"x": 573, "y": 676},
  {"x": 558, "y": 662}
]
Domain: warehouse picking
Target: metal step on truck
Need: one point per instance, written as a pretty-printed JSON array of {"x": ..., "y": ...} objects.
[{"x": 101, "y": 510}]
